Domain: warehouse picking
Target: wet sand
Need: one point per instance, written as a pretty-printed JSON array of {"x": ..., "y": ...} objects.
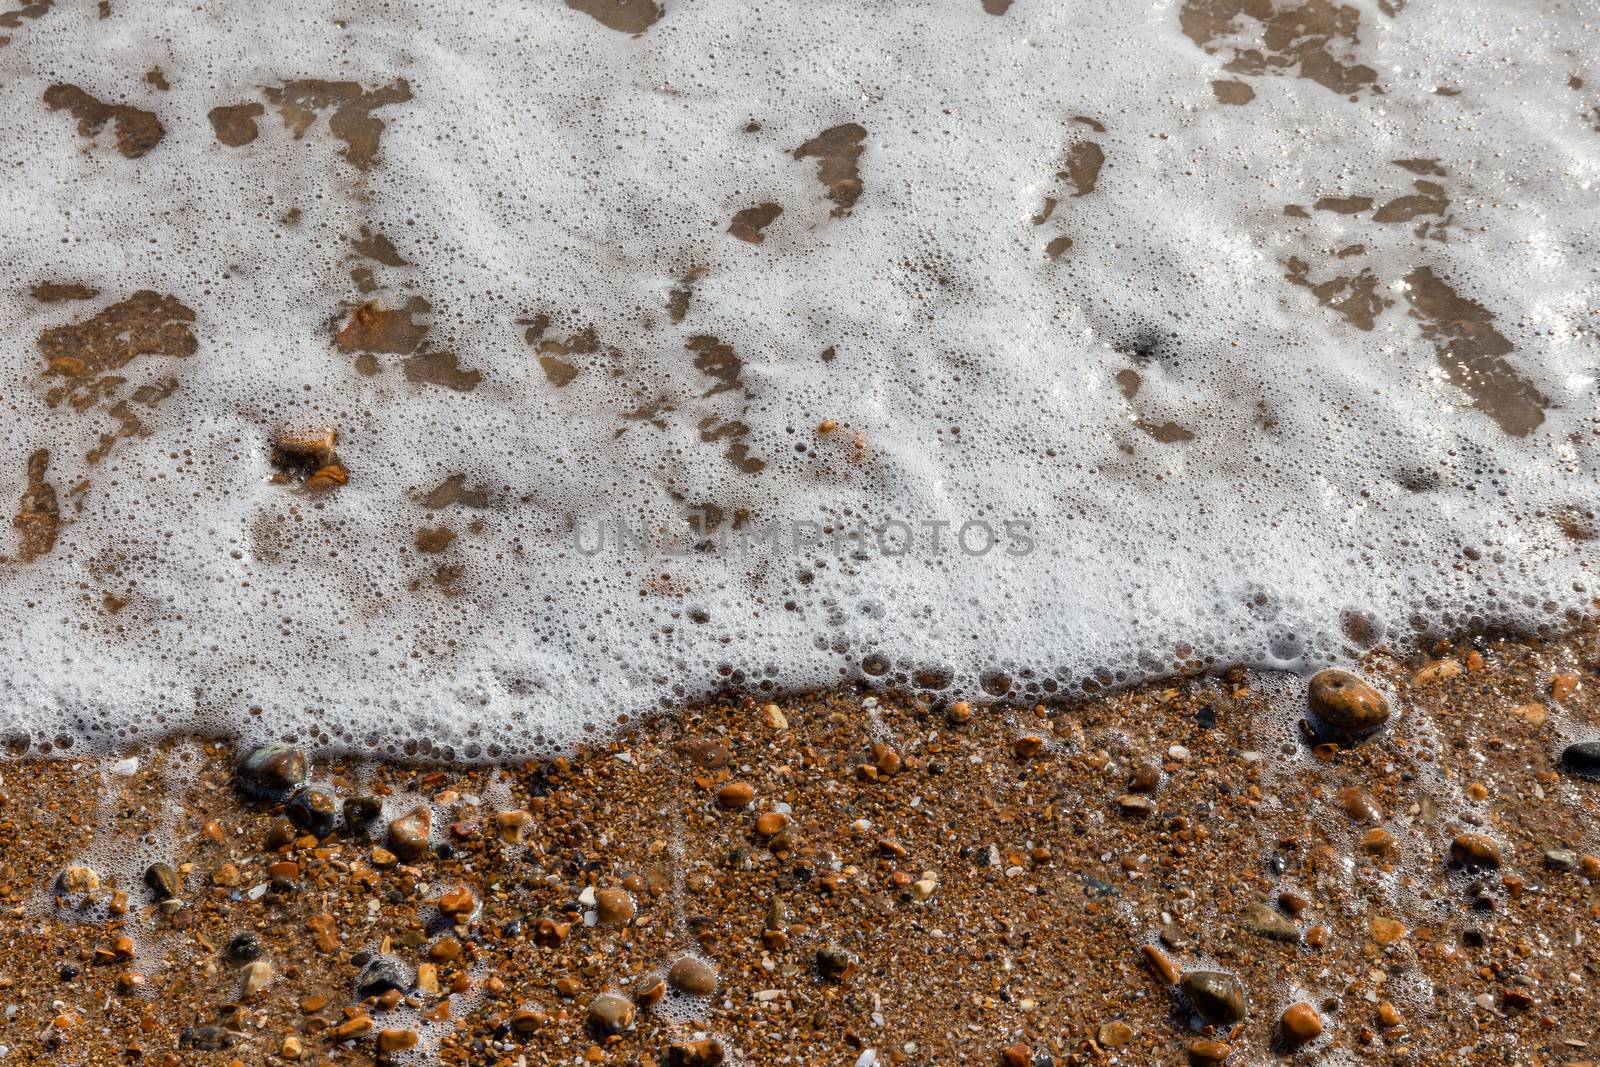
[{"x": 864, "y": 879}]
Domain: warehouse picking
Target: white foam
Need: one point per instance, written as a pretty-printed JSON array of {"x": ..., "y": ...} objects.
[{"x": 547, "y": 164}]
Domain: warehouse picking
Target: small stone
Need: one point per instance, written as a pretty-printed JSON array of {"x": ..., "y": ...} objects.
[
  {"x": 1388, "y": 1014},
  {"x": 280, "y": 833},
  {"x": 735, "y": 796},
  {"x": 771, "y": 824},
  {"x": 1560, "y": 859},
  {"x": 528, "y": 1021},
  {"x": 1300, "y": 1023},
  {"x": 775, "y": 717},
  {"x": 1018, "y": 1055},
  {"x": 242, "y": 948},
  {"x": 353, "y": 1027},
  {"x": 1582, "y": 759},
  {"x": 1292, "y": 903},
  {"x": 1266, "y": 920},
  {"x": 924, "y": 888},
  {"x": 1217, "y": 996},
  {"x": 292, "y": 1048},
  {"x": 1144, "y": 778},
  {"x": 396, "y": 1040},
  {"x": 205, "y": 1038},
  {"x": 226, "y": 876},
  {"x": 270, "y": 771},
  {"x": 959, "y": 713},
  {"x": 1027, "y": 747},
  {"x": 835, "y": 964},
  {"x": 1115, "y": 1035},
  {"x": 359, "y": 811},
  {"x": 612, "y": 1013},
  {"x": 513, "y": 826},
  {"x": 1158, "y": 962},
  {"x": 78, "y": 879},
  {"x": 693, "y": 976},
  {"x": 1137, "y": 805},
  {"x": 380, "y": 976},
  {"x": 614, "y": 907},
  {"x": 1348, "y": 706},
  {"x": 458, "y": 901},
  {"x": 1435, "y": 672},
  {"x": 314, "y": 810},
  {"x": 162, "y": 880},
  {"x": 1563, "y": 686},
  {"x": 1386, "y": 931},
  {"x": 650, "y": 991},
  {"x": 410, "y": 833},
  {"x": 1377, "y": 841},
  {"x": 706, "y": 1052},
  {"x": 1207, "y": 1053},
  {"x": 256, "y": 977},
  {"x": 1475, "y": 850},
  {"x": 1532, "y": 714},
  {"x": 1359, "y": 805}
]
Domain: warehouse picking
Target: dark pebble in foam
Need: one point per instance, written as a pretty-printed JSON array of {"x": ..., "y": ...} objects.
[{"x": 1582, "y": 759}]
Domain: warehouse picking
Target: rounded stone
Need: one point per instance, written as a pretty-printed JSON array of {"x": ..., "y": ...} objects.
[
  {"x": 1582, "y": 759},
  {"x": 162, "y": 880},
  {"x": 410, "y": 833},
  {"x": 693, "y": 976},
  {"x": 614, "y": 907},
  {"x": 359, "y": 811},
  {"x": 1300, "y": 1023},
  {"x": 271, "y": 770},
  {"x": 1475, "y": 850},
  {"x": 735, "y": 795},
  {"x": 1359, "y": 805},
  {"x": 242, "y": 948},
  {"x": 313, "y": 809},
  {"x": 1346, "y": 704},
  {"x": 612, "y": 1013},
  {"x": 835, "y": 964},
  {"x": 1217, "y": 996}
]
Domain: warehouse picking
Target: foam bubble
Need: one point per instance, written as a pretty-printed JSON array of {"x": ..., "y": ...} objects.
[{"x": 1270, "y": 374}]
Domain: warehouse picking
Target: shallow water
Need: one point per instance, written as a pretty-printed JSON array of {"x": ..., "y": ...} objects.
[{"x": 345, "y": 339}]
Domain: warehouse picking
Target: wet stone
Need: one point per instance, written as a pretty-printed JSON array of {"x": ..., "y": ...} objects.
[
  {"x": 835, "y": 964},
  {"x": 1582, "y": 759},
  {"x": 314, "y": 810},
  {"x": 1359, "y": 805},
  {"x": 1475, "y": 850},
  {"x": 271, "y": 771},
  {"x": 612, "y": 1013},
  {"x": 693, "y": 976},
  {"x": 410, "y": 833},
  {"x": 162, "y": 881},
  {"x": 1347, "y": 706},
  {"x": 614, "y": 907},
  {"x": 359, "y": 811},
  {"x": 205, "y": 1038},
  {"x": 1300, "y": 1023},
  {"x": 1217, "y": 996},
  {"x": 706, "y": 1052},
  {"x": 1145, "y": 778},
  {"x": 1560, "y": 859},
  {"x": 1269, "y": 923},
  {"x": 242, "y": 948},
  {"x": 256, "y": 976},
  {"x": 379, "y": 977},
  {"x": 78, "y": 879}
]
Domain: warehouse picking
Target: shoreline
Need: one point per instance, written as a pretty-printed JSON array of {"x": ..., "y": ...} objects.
[{"x": 862, "y": 878}]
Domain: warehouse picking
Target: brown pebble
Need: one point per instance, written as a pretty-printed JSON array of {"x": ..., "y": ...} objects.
[
  {"x": 527, "y": 1021},
  {"x": 1135, "y": 804},
  {"x": 1386, "y": 931},
  {"x": 1377, "y": 841},
  {"x": 396, "y": 1040},
  {"x": 611, "y": 1013},
  {"x": 1027, "y": 747},
  {"x": 1217, "y": 996},
  {"x": 614, "y": 907},
  {"x": 1476, "y": 850},
  {"x": 693, "y": 976},
  {"x": 1145, "y": 778},
  {"x": 1207, "y": 1053},
  {"x": 1115, "y": 1035},
  {"x": 835, "y": 964},
  {"x": 457, "y": 901},
  {"x": 1018, "y": 1055},
  {"x": 771, "y": 824},
  {"x": 706, "y": 1052},
  {"x": 1300, "y": 1023},
  {"x": 650, "y": 991},
  {"x": 1346, "y": 704},
  {"x": 735, "y": 796},
  {"x": 410, "y": 833},
  {"x": 1388, "y": 1014},
  {"x": 1158, "y": 962},
  {"x": 1359, "y": 805},
  {"x": 959, "y": 713}
]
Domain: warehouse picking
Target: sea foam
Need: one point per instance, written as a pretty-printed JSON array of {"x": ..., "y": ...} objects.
[{"x": 1274, "y": 339}]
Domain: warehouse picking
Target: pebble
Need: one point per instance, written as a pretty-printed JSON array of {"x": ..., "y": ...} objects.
[
  {"x": 78, "y": 879},
  {"x": 1208, "y": 1053},
  {"x": 257, "y": 976},
  {"x": 1532, "y": 714},
  {"x": 1475, "y": 850},
  {"x": 242, "y": 948},
  {"x": 1027, "y": 747},
  {"x": 835, "y": 964},
  {"x": 1359, "y": 805},
  {"x": 396, "y": 1040},
  {"x": 314, "y": 810},
  {"x": 1158, "y": 962},
  {"x": 959, "y": 713},
  {"x": 735, "y": 796},
  {"x": 1265, "y": 920},
  {"x": 1018, "y": 1055},
  {"x": 706, "y": 1052},
  {"x": 457, "y": 901},
  {"x": 380, "y": 976},
  {"x": 1217, "y": 996},
  {"x": 693, "y": 976},
  {"x": 1300, "y": 1023},
  {"x": 1344, "y": 703},
  {"x": 359, "y": 811},
  {"x": 1115, "y": 1035},
  {"x": 614, "y": 907},
  {"x": 1144, "y": 778},
  {"x": 513, "y": 826},
  {"x": 775, "y": 717},
  {"x": 1582, "y": 759},
  {"x": 1135, "y": 804},
  {"x": 612, "y": 1013},
  {"x": 162, "y": 880},
  {"x": 1560, "y": 859},
  {"x": 271, "y": 770},
  {"x": 1386, "y": 931},
  {"x": 771, "y": 824},
  {"x": 410, "y": 833},
  {"x": 1377, "y": 841}
]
